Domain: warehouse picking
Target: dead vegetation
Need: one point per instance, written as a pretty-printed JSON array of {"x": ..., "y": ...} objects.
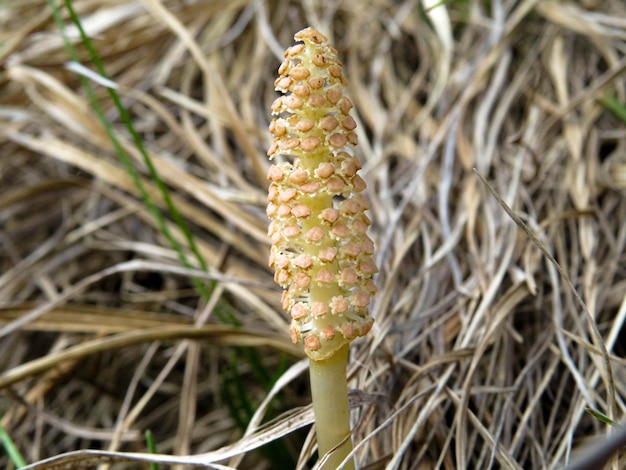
[{"x": 481, "y": 356}]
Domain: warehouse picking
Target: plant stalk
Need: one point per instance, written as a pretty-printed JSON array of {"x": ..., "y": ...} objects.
[{"x": 329, "y": 390}]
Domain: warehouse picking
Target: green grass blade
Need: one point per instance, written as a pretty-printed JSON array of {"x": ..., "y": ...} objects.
[
  {"x": 123, "y": 156},
  {"x": 601, "y": 416},
  {"x": 223, "y": 311},
  {"x": 11, "y": 449},
  {"x": 151, "y": 448},
  {"x": 614, "y": 105}
]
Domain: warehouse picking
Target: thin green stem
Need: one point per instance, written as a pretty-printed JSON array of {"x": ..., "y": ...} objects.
[
  {"x": 11, "y": 449},
  {"x": 126, "y": 160},
  {"x": 329, "y": 390},
  {"x": 151, "y": 448},
  {"x": 223, "y": 311}
]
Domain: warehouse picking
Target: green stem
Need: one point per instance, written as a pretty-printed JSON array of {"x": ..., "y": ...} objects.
[{"x": 329, "y": 390}]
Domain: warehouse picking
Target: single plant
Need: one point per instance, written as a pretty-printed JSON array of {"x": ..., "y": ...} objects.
[{"x": 320, "y": 249}]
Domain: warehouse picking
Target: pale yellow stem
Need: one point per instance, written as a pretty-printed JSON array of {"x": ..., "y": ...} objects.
[{"x": 329, "y": 390}]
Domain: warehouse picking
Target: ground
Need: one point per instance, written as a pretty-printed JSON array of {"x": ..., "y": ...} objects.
[{"x": 135, "y": 293}]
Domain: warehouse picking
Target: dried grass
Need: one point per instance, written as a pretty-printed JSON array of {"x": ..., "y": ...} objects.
[{"x": 481, "y": 356}]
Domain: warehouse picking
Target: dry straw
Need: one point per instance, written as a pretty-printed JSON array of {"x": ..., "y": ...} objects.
[{"x": 480, "y": 356}]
